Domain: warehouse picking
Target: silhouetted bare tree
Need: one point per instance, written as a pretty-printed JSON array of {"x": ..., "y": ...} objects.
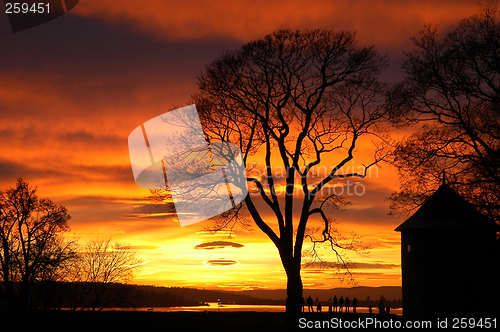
[
  {"x": 31, "y": 245},
  {"x": 452, "y": 90},
  {"x": 294, "y": 101},
  {"x": 98, "y": 265}
]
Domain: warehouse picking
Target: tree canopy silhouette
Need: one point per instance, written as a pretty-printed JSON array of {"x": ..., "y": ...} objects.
[
  {"x": 294, "y": 101},
  {"x": 452, "y": 89},
  {"x": 31, "y": 244}
]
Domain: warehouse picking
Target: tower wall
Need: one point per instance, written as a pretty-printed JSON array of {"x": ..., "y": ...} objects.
[{"x": 448, "y": 271}]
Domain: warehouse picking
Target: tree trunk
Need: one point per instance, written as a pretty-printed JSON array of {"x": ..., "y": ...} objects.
[
  {"x": 8, "y": 284},
  {"x": 24, "y": 294},
  {"x": 295, "y": 300}
]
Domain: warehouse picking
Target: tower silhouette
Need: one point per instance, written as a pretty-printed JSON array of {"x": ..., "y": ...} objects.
[{"x": 449, "y": 258}]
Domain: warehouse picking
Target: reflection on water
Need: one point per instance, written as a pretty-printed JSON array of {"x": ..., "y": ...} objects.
[{"x": 213, "y": 306}]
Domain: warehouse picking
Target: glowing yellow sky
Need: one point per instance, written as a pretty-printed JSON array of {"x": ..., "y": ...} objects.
[{"x": 72, "y": 90}]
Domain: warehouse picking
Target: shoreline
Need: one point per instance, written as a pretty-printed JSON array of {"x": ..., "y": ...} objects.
[{"x": 171, "y": 321}]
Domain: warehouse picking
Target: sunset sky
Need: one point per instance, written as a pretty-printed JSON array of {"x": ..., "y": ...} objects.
[{"x": 72, "y": 90}]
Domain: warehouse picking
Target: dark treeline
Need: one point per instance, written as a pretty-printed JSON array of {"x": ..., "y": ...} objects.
[
  {"x": 40, "y": 268},
  {"x": 82, "y": 296},
  {"x": 50, "y": 295}
]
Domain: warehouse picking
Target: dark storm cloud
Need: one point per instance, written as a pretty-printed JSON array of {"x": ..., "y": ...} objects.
[
  {"x": 316, "y": 266},
  {"x": 65, "y": 171},
  {"x": 153, "y": 209},
  {"x": 74, "y": 44},
  {"x": 221, "y": 262},
  {"x": 376, "y": 266},
  {"x": 218, "y": 245},
  {"x": 81, "y": 74},
  {"x": 114, "y": 214}
]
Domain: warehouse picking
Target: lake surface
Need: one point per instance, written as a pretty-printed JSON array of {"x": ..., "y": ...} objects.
[{"x": 214, "y": 307}]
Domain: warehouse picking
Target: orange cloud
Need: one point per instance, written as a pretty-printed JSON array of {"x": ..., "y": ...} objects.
[
  {"x": 384, "y": 23},
  {"x": 70, "y": 98}
]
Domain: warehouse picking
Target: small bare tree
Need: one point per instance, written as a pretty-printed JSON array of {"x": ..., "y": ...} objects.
[{"x": 99, "y": 264}]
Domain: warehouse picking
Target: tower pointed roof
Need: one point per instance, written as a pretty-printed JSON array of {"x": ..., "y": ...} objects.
[{"x": 444, "y": 209}]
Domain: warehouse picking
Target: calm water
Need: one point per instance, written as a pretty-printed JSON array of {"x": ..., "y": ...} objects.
[{"x": 213, "y": 306}]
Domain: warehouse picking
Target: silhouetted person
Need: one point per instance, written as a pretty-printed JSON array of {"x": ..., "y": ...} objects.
[
  {"x": 303, "y": 304},
  {"x": 335, "y": 303},
  {"x": 388, "y": 311},
  {"x": 381, "y": 308},
  {"x": 341, "y": 304},
  {"x": 310, "y": 304},
  {"x": 347, "y": 302},
  {"x": 318, "y": 308},
  {"x": 330, "y": 305},
  {"x": 354, "y": 304},
  {"x": 370, "y": 310}
]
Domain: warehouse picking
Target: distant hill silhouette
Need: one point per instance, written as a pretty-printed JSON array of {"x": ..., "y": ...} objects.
[
  {"x": 152, "y": 296},
  {"x": 389, "y": 292},
  {"x": 122, "y": 295},
  {"x": 144, "y": 296}
]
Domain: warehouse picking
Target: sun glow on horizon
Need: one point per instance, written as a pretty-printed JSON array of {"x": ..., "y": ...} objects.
[{"x": 68, "y": 107}]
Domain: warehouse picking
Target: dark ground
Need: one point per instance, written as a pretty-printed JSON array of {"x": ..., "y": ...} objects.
[{"x": 165, "y": 321}]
